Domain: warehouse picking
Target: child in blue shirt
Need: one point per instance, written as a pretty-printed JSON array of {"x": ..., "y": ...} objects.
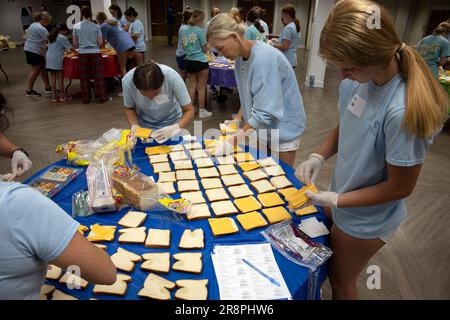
[
  {"x": 58, "y": 45},
  {"x": 271, "y": 103},
  {"x": 120, "y": 20},
  {"x": 255, "y": 30},
  {"x": 390, "y": 110},
  {"x": 136, "y": 31}
]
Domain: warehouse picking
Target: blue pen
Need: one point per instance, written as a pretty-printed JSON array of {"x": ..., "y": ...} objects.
[{"x": 275, "y": 282}]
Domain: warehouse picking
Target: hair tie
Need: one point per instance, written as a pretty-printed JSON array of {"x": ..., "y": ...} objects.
[{"x": 401, "y": 47}]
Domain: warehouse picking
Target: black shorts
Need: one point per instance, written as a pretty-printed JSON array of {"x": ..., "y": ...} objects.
[
  {"x": 52, "y": 70},
  {"x": 193, "y": 66},
  {"x": 181, "y": 61},
  {"x": 131, "y": 49},
  {"x": 34, "y": 59}
]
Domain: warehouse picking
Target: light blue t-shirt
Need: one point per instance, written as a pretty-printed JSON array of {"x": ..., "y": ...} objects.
[
  {"x": 290, "y": 33},
  {"x": 269, "y": 92},
  {"x": 193, "y": 39},
  {"x": 87, "y": 33},
  {"x": 366, "y": 143},
  {"x": 36, "y": 39},
  {"x": 180, "y": 50},
  {"x": 252, "y": 33},
  {"x": 119, "y": 39},
  {"x": 55, "y": 53},
  {"x": 122, "y": 22},
  {"x": 33, "y": 231},
  {"x": 432, "y": 48},
  {"x": 138, "y": 28},
  {"x": 265, "y": 26},
  {"x": 163, "y": 110}
]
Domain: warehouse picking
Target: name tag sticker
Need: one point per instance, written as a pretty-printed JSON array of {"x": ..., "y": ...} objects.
[
  {"x": 357, "y": 106},
  {"x": 161, "y": 99}
]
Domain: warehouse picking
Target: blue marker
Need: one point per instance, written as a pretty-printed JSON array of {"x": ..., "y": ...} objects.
[{"x": 275, "y": 282}]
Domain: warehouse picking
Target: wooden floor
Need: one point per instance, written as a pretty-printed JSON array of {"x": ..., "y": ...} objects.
[{"x": 414, "y": 265}]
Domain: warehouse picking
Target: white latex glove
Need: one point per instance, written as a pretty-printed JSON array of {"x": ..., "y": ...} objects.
[
  {"x": 20, "y": 163},
  {"x": 134, "y": 127},
  {"x": 164, "y": 134},
  {"x": 238, "y": 122},
  {"x": 322, "y": 198},
  {"x": 223, "y": 148},
  {"x": 6, "y": 177},
  {"x": 308, "y": 170}
]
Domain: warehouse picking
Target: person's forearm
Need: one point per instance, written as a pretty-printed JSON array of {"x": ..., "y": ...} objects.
[
  {"x": 6, "y": 147},
  {"x": 330, "y": 146},
  {"x": 131, "y": 117},
  {"x": 187, "y": 117}
]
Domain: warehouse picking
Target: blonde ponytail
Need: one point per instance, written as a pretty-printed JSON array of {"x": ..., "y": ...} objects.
[{"x": 348, "y": 37}]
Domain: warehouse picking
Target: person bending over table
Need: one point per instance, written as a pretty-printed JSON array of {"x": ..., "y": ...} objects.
[
  {"x": 35, "y": 231},
  {"x": 20, "y": 163},
  {"x": 156, "y": 97},
  {"x": 121, "y": 41},
  {"x": 268, "y": 90},
  {"x": 391, "y": 108}
]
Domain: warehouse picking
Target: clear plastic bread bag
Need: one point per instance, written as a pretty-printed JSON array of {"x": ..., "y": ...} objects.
[{"x": 137, "y": 189}]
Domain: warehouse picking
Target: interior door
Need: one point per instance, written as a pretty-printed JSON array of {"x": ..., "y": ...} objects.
[
  {"x": 268, "y": 5},
  {"x": 436, "y": 17},
  {"x": 158, "y": 11}
]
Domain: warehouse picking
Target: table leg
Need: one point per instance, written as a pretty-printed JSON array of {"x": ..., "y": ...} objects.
[{"x": 67, "y": 87}]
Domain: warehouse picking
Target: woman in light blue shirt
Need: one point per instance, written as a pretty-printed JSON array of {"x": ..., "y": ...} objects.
[
  {"x": 196, "y": 63},
  {"x": 435, "y": 48},
  {"x": 136, "y": 31},
  {"x": 36, "y": 232},
  {"x": 289, "y": 37},
  {"x": 36, "y": 40},
  {"x": 255, "y": 30},
  {"x": 271, "y": 103},
  {"x": 180, "y": 54},
  {"x": 58, "y": 45},
  {"x": 118, "y": 17},
  {"x": 390, "y": 110}
]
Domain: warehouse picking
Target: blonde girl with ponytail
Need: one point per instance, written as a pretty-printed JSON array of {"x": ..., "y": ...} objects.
[
  {"x": 268, "y": 90},
  {"x": 391, "y": 107}
]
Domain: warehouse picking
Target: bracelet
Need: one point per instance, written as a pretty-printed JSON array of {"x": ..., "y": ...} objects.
[{"x": 21, "y": 149}]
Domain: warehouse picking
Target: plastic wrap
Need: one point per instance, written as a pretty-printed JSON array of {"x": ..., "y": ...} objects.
[
  {"x": 137, "y": 189},
  {"x": 80, "y": 205},
  {"x": 101, "y": 197}
]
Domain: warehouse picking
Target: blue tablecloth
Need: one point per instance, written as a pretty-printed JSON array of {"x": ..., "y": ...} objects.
[
  {"x": 296, "y": 277},
  {"x": 222, "y": 77}
]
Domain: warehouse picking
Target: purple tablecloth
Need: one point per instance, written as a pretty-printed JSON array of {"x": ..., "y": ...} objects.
[{"x": 222, "y": 77}]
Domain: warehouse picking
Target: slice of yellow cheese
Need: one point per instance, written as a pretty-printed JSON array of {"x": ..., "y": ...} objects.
[
  {"x": 244, "y": 157},
  {"x": 271, "y": 199},
  {"x": 276, "y": 214},
  {"x": 251, "y": 220},
  {"x": 157, "y": 150},
  {"x": 82, "y": 229},
  {"x": 247, "y": 204},
  {"x": 306, "y": 210},
  {"x": 287, "y": 191},
  {"x": 101, "y": 233},
  {"x": 222, "y": 226},
  {"x": 299, "y": 198},
  {"x": 248, "y": 166},
  {"x": 142, "y": 133}
]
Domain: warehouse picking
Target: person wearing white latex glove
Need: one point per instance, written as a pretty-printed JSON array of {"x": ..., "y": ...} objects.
[
  {"x": 20, "y": 163},
  {"x": 6, "y": 177},
  {"x": 322, "y": 198},
  {"x": 223, "y": 148},
  {"x": 164, "y": 134},
  {"x": 308, "y": 170},
  {"x": 156, "y": 97}
]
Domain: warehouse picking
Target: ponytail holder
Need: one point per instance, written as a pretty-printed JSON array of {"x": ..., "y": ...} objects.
[{"x": 399, "y": 50}]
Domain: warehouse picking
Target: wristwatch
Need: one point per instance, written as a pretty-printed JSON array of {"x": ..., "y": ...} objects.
[{"x": 21, "y": 149}]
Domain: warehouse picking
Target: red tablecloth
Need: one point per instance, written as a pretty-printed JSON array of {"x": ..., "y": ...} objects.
[{"x": 110, "y": 67}]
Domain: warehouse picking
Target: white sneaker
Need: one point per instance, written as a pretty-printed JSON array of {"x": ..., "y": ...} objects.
[{"x": 203, "y": 113}]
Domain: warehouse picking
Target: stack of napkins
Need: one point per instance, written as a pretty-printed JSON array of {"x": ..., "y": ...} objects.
[{"x": 313, "y": 228}]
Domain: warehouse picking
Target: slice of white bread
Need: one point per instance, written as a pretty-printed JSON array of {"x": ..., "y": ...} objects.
[
  {"x": 178, "y": 155},
  {"x": 188, "y": 185},
  {"x": 198, "y": 211},
  {"x": 156, "y": 287},
  {"x": 225, "y": 160},
  {"x": 195, "y": 197},
  {"x": 186, "y": 175},
  {"x": 192, "y": 239},
  {"x": 223, "y": 208},
  {"x": 161, "y": 167},
  {"x": 101, "y": 246},
  {"x": 193, "y": 145},
  {"x": 227, "y": 169},
  {"x": 72, "y": 281},
  {"x": 183, "y": 164},
  {"x": 217, "y": 194},
  {"x": 59, "y": 295},
  {"x": 208, "y": 173},
  {"x": 124, "y": 260},
  {"x": 157, "y": 158},
  {"x": 211, "y": 183},
  {"x": 188, "y": 262},
  {"x": 267, "y": 162},
  {"x": 166, "y": 187},
  {"x": 156, "y": 262},
  {"x": 274, "y": 170},
  {"x": 177, "y": 147},
  {"x": 204, "y": 163},
  {"x": 132, "y": 219},
  {"x": 118, "y": 288},
  {"x": 232, "y": 180},
  {"x": 262, "y": 186},
  {"x": 240, "y": 191},
  {"x": 280, "y": 182},
  {"x": 157, "y": 238},
  {"x": 255, "y": 175},
  {"x": 198, "y": 153},
  {"x": 132, "y": 235},
  {"x": 167, "y": 177},
  {"x": 53, "y": 272},
  {"x": 192, "y": 289}
]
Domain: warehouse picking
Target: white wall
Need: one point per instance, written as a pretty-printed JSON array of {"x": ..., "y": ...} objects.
[{"x": 10, "y": 23}]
